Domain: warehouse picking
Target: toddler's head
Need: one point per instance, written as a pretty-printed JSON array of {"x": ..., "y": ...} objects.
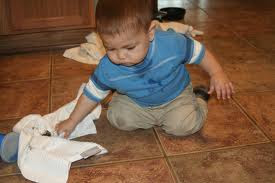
[{"x": 126, "y": 29}]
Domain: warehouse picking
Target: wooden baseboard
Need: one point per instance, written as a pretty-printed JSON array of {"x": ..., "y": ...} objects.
[{"x": 42, "y": 40}]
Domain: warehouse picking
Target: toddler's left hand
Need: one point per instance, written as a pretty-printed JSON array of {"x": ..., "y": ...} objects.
[{"x": 220, "y": 83}]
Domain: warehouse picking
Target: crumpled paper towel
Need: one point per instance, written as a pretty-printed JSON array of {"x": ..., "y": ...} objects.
[{"x": 48, "y": 159}]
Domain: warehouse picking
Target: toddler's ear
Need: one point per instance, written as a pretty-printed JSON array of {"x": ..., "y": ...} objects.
[{"x": 152, "y": 29}]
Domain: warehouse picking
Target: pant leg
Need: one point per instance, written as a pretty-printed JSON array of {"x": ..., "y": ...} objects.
[
  {"x": 185, "y": 115},
  {"x": 125, "y": 114}
]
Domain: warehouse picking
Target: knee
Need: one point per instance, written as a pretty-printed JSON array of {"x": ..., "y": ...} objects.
[
  {"x": 120, "y": 120},
  {"x": 185, "y": 127}
]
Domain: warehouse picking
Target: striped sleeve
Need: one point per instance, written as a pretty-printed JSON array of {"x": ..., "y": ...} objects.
[
  {"x": 95, "y": 90},
  {"x": 194, "y": 51}
]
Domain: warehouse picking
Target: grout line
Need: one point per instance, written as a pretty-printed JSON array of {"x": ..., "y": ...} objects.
[
  {"x": 263, "y": 91},
  {"x": 10, "y": 174},
  {"x": 251, "y": 119},
  {"x": 21, "y": 81},
  {"x": 115, "y": 162},
  {"x": 219, "y": 149},
  {"x": 50, "y": 85},
  {"x": 174, "y": 174}
]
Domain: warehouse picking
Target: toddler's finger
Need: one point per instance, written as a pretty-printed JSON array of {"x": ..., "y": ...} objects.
[
  {"x": 228, "y": 91},
  {"x": 218, "y": 91},
  {"x": 211, "y": 89},
  {"x": 223, "y": 93},
  {"x": 64, "y": 134},
  {"x": 56, "y": 128},
  {"x": 232, "y": 87}
]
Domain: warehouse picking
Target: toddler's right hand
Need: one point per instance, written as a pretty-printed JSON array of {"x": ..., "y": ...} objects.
[{"x": 66, "y": 127}]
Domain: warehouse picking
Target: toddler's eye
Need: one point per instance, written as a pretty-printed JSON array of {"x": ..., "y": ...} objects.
[
  {"x": 130, "y": 48},
  {"x": 110, "y": 49}
]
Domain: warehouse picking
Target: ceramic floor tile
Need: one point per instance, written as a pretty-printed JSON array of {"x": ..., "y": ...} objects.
[
  {"x": 265, "y": 41},
  {"x": 122, "y": 145},
  {"x": 139, "y": 171},
  {"x": 260, "y": 106},
  {"x": 24, "y": 67},
  {"x": 234, "y": 50},
  {"x": 212, "y": 30},
  {"x": 234, "y": 5},
  {"x": 7, "y": 125},
  {"x": 252, "y": 77},
  {"x": 14, "y": 179},
  {"x": 8, "y": 169},
  {"x": 20, "y": 99},
  {"x": 67, "y": 68},
  {"x": 65, "y": 90},
  {"x": 198, "y": 76},
  {"x": 251, "y": 164},
  {"x": 195, "y": 17},
  {"x": 243, "y": 24},
  {"x": 225, "y": 126}
]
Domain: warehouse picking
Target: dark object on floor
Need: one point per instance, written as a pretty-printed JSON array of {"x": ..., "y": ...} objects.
[
  {"x": 172, "y": 13},
  {"x": 9, "y": 147},
  {"x": 202, "y": 92},
  {"x": 47, "y": 133}
]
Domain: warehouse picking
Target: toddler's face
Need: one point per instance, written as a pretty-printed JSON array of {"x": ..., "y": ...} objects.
[{"x": 127, "y": 48}]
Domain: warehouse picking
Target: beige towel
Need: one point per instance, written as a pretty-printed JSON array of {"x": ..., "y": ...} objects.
[{"x": 92, "y": 51}]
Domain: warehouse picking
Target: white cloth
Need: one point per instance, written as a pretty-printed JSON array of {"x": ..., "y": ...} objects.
[
  {"x": 92, "y": 51},
  {"x": 88, "y": 53},
  {"x": 180, "y": 28},
  {"x": 48, "y": 159}
]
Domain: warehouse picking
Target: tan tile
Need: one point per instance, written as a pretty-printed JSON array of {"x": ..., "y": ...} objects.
[
  {"x": 15, "y": 179},
  {"x": 265, "y": 41},
  {"x": 122, "y": 145},
  {"x": 251, "y": 164},
  {"x": 243, "y": 24},
  {"x": 252, "y": 77},
  {"x": 24, "y": 67},
  {"x": 7, "y": 125},
  {"x": 233, "y": 50},
  {"x": 197, "y": 75},
  {"x": 68, "y": 68},
  {"x": 8, "y": 169},
  {"x": 196, "y": 17},
  {"x": 65, "y": 90},
  {"x": 212, "y": 30},
  {"x": 20, "y": 99},
  {"x": 260, "y": 106},
  {"x": 225, "y": 126},
  {"x": 139, "y": 171}
]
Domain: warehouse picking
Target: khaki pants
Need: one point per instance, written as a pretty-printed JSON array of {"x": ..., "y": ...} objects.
[{"x": 182, "y": 116}]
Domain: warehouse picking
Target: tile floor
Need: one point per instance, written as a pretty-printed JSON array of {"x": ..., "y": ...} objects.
[{"x": 237, "y": 143}]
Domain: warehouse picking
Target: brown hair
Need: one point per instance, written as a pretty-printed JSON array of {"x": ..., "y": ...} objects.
[{"x": 119, "y": 16}]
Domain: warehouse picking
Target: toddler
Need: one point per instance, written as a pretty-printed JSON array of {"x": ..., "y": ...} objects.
[{"x": 146, "y": 69}]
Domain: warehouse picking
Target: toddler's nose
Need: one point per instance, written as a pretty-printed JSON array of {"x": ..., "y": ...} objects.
[{"x": 121, "y": 54}]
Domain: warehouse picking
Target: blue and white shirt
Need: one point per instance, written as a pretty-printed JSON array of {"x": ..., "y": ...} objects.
[{"x": 160, "y": 78}]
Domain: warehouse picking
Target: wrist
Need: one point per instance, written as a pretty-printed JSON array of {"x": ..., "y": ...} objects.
[
  {"x": 72, "y": 121},
  {"x": 220, "y": 71}
]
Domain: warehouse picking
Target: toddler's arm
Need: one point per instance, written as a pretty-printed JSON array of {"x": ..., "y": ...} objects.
[
  {"x": 219, "y": 81},
  {"x": 83, "y": 107}
]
